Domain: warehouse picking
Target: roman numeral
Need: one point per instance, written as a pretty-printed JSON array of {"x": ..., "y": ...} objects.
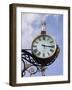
[
  {"x": 51, "y": 41},
  {"x": 51, "y": 50},
  {"x": 43, "y": 54},
  {"x": 43, "y": 37},
  {"x": 39, "y": 39},
  {"x": 52, "y": 46},
  {"x": 35, "y": 50},
  {"x": 38, "y": 53},
  {"x": 36, "y": 42},
  {"x": 34, "y": 45},
  {"x": 48, "y": 53}
]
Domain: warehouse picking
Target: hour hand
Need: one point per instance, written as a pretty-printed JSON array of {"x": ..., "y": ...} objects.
[{"x": 43, "y": 45}]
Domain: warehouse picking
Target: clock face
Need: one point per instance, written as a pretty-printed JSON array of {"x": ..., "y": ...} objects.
[{"x": 43, "y": 46}]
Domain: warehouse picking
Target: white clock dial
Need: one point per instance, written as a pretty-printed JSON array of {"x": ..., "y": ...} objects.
[{"x": 44, "y": 46}]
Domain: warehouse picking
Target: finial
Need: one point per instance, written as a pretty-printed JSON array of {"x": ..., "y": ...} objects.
[{"x": 43, "y": 28}]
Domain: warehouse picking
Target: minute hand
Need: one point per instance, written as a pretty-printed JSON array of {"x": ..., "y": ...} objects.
[{"x": 52, "y": 46}]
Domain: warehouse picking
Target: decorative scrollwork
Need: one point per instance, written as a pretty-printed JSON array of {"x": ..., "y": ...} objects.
[{"x": 34, "y": 64}]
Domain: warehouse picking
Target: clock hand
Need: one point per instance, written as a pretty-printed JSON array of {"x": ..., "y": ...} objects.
[
  {"x": 43, "y": 45},
  {"x": 47, "y": 45},
  {"x": 50, "y": 46}
]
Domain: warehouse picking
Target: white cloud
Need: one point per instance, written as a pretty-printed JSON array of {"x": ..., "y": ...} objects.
[
  {"x": 56, "y": 16},
  {"x": 28, "y": 31}
]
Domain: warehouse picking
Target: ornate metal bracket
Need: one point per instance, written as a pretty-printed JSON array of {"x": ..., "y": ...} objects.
[{"x": 33, "y": 66}]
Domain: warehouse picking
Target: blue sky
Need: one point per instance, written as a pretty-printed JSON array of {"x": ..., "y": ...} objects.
[{"x": 31, "y": 28}]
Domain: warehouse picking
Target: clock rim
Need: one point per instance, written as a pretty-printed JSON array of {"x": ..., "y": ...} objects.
[{"x": 38, "y": 37}]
